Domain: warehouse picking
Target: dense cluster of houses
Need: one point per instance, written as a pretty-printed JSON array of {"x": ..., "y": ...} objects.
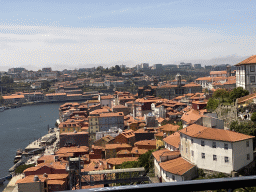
[
  {"x": 109, "y": 130},
  {"x": 167, "y": 117}
]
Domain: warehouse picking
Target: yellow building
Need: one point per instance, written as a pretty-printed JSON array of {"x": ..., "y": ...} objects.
[
  {"x": 93, "y": 125},
  {"x": 159, "y": 139},
  {"x": 66, "y": 127}
]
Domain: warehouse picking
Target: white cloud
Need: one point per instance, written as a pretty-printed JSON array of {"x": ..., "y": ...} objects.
[{"x": 76, "y": 47}]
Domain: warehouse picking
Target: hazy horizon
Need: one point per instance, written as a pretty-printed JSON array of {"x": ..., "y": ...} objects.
[{"x": 77, "y": 34}]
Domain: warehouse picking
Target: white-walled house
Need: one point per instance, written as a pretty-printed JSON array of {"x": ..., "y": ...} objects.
[
  {"x": 246, "y": 74},
  {"x": 216, "y": 149},
  {"x": 170, "y": 167}
]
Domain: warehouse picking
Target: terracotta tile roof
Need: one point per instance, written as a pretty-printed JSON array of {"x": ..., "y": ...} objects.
[
  {"x": 177, "y": 166},
  {"x": 55, "y": 165},
  {"x": 218, "y": 72},
  {"x": 169, "y": 127},
  {"x": 123, "y": 152},
  {"x": 112, "y": 114},
  {"x": 13, "y": 97},
  {"x": 120, "y": 106},
  {"x": 145, "y": 142},
  {"x": 191, "y": 116},
  {"x": 95, "y": 164},
  {"x": 55, "y": 94},
  {"x": 250, "y": 60},
  {"x": 30, "y": 178},
  {"x": 128, "y": 133},
  {"x": 119, "y": 161},
  {"x": 116, "y": 146},
  {"x": 47, "y": 158},
  {"x": 106, "y": 97},
  {"x": 135, "y": 150},
  {"x": 173, "y": 139},
  {"x": 246, "y": 98},
  {"x": 73, "y": 149},
  {"x": 163, "y": 153},
  {"x": 202, "y": 132},
  {"x": 55, "y": 182},
  {"x": 192, "y": 84}
]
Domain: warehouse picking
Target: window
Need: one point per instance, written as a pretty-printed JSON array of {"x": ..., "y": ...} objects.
[
  {"x": 202, "y": 142},
  {"x": 186, "y": 150},
  {"x": 173, "y": 177},
  {"x": 203, "y": 155},
  {"x": 252, "y": 79},
  {"x": 192, "y": 153},
  {"x": 226, "y": 160},
  {"x": 247, "y": 143},
  {"x": 248, "y": 156},
  {"x": 214, "y": 157},
  {"x": 225, "y": 146},
  {"x": 192, "y": 141},
  {"x": 252, "y": 68},
  {"x": 214, "y": 144}
]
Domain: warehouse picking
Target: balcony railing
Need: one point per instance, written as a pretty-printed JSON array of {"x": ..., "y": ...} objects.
[{"x": 229, "y": 184}]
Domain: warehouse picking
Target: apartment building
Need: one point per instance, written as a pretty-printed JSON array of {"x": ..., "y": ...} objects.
[
  {"x": 104, "y": 121},
  {"x": 216, "y": 149}
]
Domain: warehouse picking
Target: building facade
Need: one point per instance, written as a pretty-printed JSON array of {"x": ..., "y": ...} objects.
[
  {"x": 216, "y": 149},
  {"x": 246, "y": 73}
]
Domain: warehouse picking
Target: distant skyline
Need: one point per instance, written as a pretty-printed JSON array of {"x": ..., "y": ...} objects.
[{"x": 74, "y": 34}]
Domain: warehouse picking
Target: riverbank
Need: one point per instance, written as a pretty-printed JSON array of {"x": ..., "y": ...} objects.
[
  {"x": 40, "y": 103},
  {"x": 49, "y": 150}
]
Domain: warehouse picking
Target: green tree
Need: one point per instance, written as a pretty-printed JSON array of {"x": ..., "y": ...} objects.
[
  {"x": 212, "y": 104},
  {"x": 237, "y": 93},
  {"x": 253, "y": 117},
  {"x": 128, "y": 164},
  {"x": 117, "y": 67},
  {"x": 1, "y": 99},
  {"x": 6, "y": 80},
  {"x": 145, "y": 160}
]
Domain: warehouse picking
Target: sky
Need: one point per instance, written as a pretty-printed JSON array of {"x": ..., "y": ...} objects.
[{"x": 69, "y": 34}]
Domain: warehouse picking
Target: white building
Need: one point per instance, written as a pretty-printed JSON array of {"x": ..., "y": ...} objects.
[
  {"x": 246, "y": 73},
  {"x": 106, "y": 100},
  {"x": 170, "y": 167},
  {"x": 158, "y": 110},
  {"x": 216, "y": 149},
  {"x": 113, "y": 132}
]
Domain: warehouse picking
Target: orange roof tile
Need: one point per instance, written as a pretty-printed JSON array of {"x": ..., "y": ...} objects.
[
  {"x": 218, "y": 72},
  {"x": 169, "y": 127},
  {"x": 119, "y": 161},
  {"x": 135, "y": 150},
  {"x": 246, "y": 98},
  {"x": 177, "y": 166},
  {"x": 191, "y": 116},
  {"x": 115, "y": 146},
  {"x": 173, "y": 139},
  {"x": 250, "y": 60},
  {"x": 72, "y": 149},
  {"x": 30, "y": 178},
  {"x": 164, "y": 152},
  {"x": 202, "y": 132},
  {"x": 145, "y": 142}
]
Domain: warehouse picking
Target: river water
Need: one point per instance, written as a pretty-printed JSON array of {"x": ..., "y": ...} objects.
[{"x": 21, "y": 126}]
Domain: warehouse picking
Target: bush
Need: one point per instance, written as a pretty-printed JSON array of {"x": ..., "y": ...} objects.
[{"x": 21, "y": 168}]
